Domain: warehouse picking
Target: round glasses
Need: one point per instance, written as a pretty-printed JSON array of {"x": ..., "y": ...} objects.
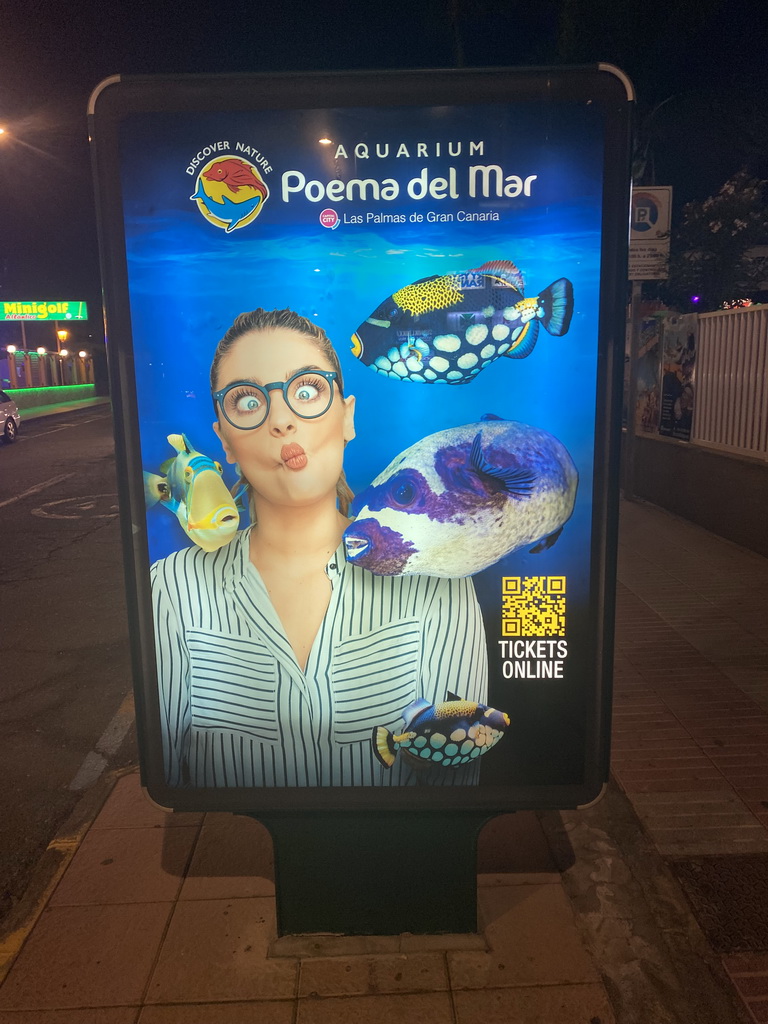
[{"x": 308, "y": 393}]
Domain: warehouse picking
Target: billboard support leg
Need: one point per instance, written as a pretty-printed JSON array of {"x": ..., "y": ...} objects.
[{"x": 375, "y": 873}]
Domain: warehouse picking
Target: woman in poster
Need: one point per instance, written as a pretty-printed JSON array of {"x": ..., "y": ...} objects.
[{"x": 276, "y": 657}]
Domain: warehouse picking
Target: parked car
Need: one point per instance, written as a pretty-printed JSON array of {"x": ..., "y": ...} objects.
[{"x": 10, "y": 420}]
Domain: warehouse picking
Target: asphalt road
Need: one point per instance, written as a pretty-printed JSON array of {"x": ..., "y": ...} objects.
[{"x": 64, "y": 667}]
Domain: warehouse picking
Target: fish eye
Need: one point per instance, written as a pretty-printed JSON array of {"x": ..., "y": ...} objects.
[
  {"x": 219, "y": 467},
  {"x": 188, "y": 473},
  {"x": 404, "y": 493}
]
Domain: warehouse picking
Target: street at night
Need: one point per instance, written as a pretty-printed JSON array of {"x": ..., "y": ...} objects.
[
  {"x": 452, "y": 702},
  {"x": 65, "y": 672}
]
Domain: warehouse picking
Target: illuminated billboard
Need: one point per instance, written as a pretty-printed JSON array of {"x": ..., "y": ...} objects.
[
  {"x": 45, "y": 309},
  {"x": 364, "y": 334}
]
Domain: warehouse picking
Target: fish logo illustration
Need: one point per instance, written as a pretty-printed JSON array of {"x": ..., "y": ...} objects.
[
  {"x": 448, "y": 734},
  {"x": 462, "y": 499},
  {"x": 230, "y": 192},
  {"x": 446, "y": 329}
]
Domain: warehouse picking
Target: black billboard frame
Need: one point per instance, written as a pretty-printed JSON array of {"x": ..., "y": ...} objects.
[{"x": 118, "y": 98}]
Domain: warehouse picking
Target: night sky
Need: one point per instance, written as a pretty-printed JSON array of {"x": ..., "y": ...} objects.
[{"x": 705, "y": 58}]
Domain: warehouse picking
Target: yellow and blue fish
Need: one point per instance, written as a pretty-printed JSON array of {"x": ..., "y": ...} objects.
[
  {"x": 446, "y": 329},
  {"x": 192, "y": 487},
  {"x": 450, "y": 734}
]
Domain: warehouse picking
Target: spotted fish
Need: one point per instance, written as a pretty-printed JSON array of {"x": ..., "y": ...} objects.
[
  {"x": 449, "y": 734},
  {"x": 446, "y": 329},
  {"x": 462, "y": 499}
]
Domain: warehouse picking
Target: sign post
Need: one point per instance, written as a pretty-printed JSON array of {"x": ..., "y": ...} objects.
[
  {"x": 419, "y": 278},
  {"x": 650, "y": 225}
]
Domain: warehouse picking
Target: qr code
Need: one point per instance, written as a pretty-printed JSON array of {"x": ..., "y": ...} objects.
[{"x": 533, "y": 606}]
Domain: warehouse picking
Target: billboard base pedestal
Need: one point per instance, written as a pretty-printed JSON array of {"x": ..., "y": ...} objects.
[{"x": 375, "y": 873}]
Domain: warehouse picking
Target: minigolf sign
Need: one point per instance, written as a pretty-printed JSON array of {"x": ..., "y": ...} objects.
[{"x": 364, "y": 340}]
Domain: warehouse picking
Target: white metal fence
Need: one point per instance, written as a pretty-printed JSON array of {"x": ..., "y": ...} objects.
[{"x": 731, "y": 408}]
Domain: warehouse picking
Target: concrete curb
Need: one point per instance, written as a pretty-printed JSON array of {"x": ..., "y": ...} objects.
[
  {"x": 655, "y": 961},
  {"x": 18, "y": 924}
]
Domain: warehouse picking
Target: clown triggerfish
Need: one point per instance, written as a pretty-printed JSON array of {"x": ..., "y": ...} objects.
[
  {"x": 445, "y": 330},
  {"x": 193, "y": 489},
  {"x": 449, "y": 734},
  {"x": 461, "y": 499}
]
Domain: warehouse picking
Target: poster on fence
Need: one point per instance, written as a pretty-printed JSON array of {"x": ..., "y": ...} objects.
[
  {"x": 363, "y": 334},
  {"x": 678, "y": 371}
]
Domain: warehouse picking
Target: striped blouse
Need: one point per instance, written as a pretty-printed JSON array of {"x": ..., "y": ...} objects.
[{"x": 237, "y": 710}]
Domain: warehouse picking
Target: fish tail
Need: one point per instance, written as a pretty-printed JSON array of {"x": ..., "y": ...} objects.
[
  {"x": 557, "y": 303},
  {"x": 383, "y": 745},
  {"x": 525, "y": 342}
]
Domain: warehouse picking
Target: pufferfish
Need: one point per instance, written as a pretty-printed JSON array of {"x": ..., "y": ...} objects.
[
  {"x": 448, "y": 734},
  {"x": 446, "y": 329}
]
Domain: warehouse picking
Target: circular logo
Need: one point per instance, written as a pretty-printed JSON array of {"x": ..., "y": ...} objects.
[
  {"x": 329, "y": 219},
  {"x": 645, "y": 211},
  {"x": 230, "y": 192}
]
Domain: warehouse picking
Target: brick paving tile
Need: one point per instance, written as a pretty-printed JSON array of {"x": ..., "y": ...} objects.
[
  {"x": 746, "y": 963},
  {"x": 564, "y": 1004},
  {"x": 434, "y": 1007},
  {"x": 641, "y": 746},
  {"x": 672, "y": 786},
  {"x": 752, "y": 987},
  {"x": 759, "y": 1010},
  {"x": 100, "y": 1015},
  {"x": 218, "y": 1013},
  {"x": 671, "y": 774},
  {"x": 658, "y": 763}
]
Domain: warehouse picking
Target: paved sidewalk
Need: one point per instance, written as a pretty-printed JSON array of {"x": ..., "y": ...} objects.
[
  {"x": 690, "y": 732},
  {"x": 149, "y": 918}
]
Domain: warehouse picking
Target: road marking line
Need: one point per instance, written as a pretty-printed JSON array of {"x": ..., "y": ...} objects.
[
  {"x": 106, "y": 746},
  {"x": 64, "y": 426},
  {"x": 38, "y": 487}
]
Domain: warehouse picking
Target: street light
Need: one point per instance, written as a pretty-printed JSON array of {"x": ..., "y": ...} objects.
[
  {"x": 64, "y": 352},
  {"x": 82, "y": 354},
  {"x": 10, "y": 348},
  {"x": 41, "y": 351}
]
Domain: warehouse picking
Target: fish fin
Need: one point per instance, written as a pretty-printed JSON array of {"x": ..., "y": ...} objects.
[
  {"x": 525, "y": 341},
  {"x": 383, "y": 746},
  {"x": 557, "y": 303},
  {"x": 165, "y": 466},
  {"x": 431, "y": 293},
  {"x": 414, "y": 708},
  {"x": 517, "y": 482},
  {"x": 179, "y": 442},
  {"x": 450, "y": 695},
  {"x": 547, "y": 542},
  {"x": 239, "y": 499},
  {"x": 505, "y": 270},
  {"x": 488, "y": 416},
  {"x": 155, "y": 489}
]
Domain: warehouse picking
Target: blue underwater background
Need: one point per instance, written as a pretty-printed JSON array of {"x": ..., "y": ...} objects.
[{"x": 188, "y": 280}]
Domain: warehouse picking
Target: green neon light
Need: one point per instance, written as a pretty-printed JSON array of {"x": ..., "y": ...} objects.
[{"x": 58, "y": 389}]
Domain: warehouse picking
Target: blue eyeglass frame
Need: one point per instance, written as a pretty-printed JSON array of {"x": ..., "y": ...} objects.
[{"x": 277, "y": 385}]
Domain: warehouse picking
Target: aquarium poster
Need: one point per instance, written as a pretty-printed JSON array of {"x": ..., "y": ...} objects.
[
  {"x": 677, "y": 382},
  {"x": 362, "y": 335},
  {"x": 648, "y": 375}
]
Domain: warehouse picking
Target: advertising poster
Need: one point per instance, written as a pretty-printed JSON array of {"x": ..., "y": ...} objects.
[
  {"x": 647, "y": 403},
  {"x": 413, "y": 292},
  {"x": 677, "y": 382}
]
